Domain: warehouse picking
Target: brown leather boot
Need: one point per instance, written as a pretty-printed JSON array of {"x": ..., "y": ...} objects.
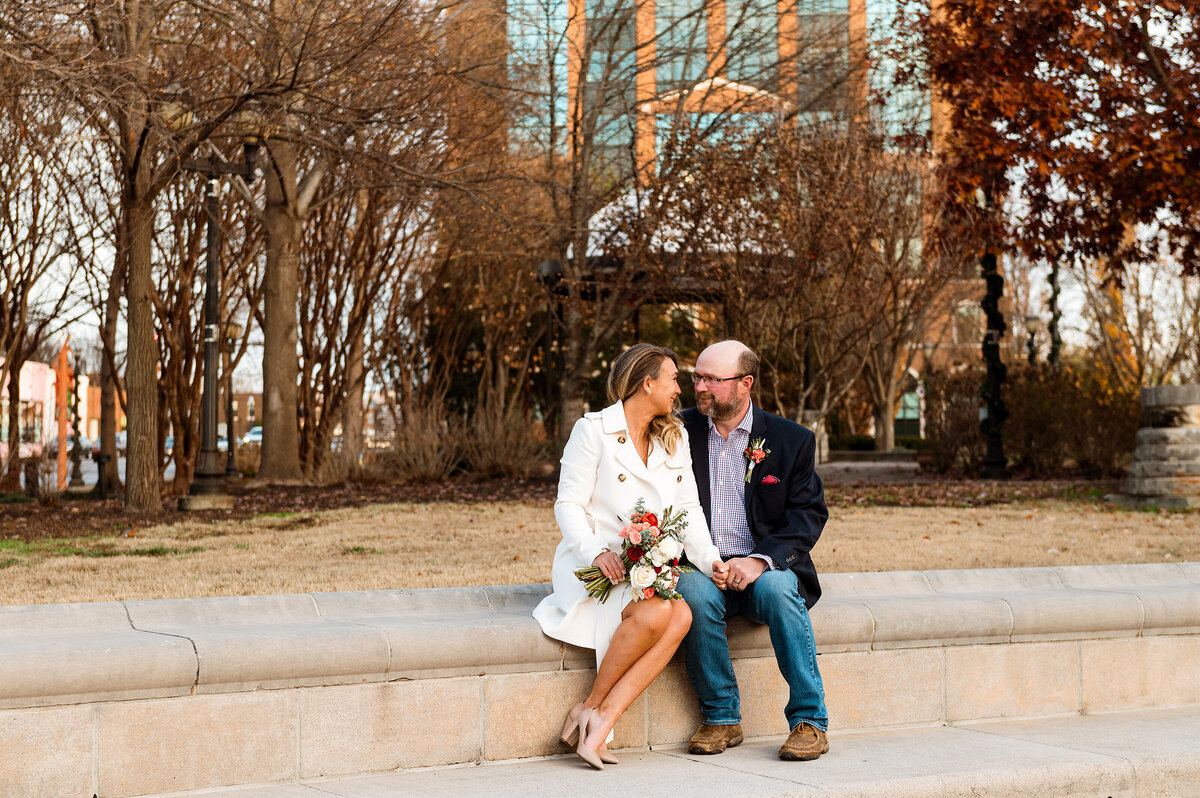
[
  {"x": 804, "y": 743},
  {"x": 715, "y": 739}
]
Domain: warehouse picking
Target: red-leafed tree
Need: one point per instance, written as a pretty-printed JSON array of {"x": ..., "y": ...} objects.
[{"x": 1086, "y": 110}]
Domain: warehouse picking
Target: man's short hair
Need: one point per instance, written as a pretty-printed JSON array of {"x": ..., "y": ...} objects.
[{"x": 748, "y": 363}]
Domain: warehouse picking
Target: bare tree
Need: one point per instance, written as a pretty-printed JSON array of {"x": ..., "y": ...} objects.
[
  {"x": 36, "y": 269},
  {"x": 358, "y": 251},
  {"x": 1144, "y": 330},
  {"x": 912, "y": 275}
]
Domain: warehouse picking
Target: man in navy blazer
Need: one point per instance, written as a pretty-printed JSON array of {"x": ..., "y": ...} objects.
[{"x": 765, "y": 508}]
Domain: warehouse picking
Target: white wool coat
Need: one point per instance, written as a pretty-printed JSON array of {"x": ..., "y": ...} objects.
[{"x": 602, "y": 479}]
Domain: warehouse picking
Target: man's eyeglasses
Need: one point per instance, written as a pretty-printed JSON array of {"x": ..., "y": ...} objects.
[{"x": 699, "y": 378}]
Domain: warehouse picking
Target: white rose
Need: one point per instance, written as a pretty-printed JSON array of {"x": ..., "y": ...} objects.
[
  {"x": 670, "y": 548},
  {"x": 642, "y": 576},
  {"x": 656, "y": 556}
]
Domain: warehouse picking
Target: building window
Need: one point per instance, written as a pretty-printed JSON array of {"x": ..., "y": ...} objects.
[
  {"x": 681, "y": 44},
  {"x": 752, "y": 42},
  {"x": 824, "y": 55},
  {"x": 968, "y": 323}
]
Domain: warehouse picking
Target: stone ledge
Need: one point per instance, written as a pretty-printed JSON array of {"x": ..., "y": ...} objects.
[
  {"x": 64, "y": 654},
  {"x": 1170, "y": 395}
]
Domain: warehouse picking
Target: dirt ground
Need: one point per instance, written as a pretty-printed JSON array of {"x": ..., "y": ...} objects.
[{"x": 460, "y": 533}]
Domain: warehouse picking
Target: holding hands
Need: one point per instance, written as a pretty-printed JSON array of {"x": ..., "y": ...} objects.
[{"x": 739, "y": 573}]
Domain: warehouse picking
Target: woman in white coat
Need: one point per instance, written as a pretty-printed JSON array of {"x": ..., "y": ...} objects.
[{"x": 633, "y": 449}]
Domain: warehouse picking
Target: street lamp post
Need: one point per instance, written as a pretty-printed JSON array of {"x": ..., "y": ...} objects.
[
  {"x": 77, "y": 447},
  {"x": 994, "y": 412},
  {"x": 232, "y": 331},
  {"x": 1031, "y": 327},
  {"x": 928, "y": 349},
  {"x": 207, "y": 491}
]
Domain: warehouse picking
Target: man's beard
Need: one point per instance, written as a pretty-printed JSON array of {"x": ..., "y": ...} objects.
[{"x": 715, "y": 409}]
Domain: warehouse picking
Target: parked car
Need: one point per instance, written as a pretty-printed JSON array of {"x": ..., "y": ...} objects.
[
  {"x": 253, "y": 436},
  {"x": 52, "y": 445},
  {"x": 122, "y": 444}
]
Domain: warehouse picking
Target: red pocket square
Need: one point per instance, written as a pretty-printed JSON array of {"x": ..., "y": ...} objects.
[{"x": 770, "y": 479}]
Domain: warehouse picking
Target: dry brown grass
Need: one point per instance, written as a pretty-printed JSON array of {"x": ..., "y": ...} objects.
[{"x": 440, "y": 544}]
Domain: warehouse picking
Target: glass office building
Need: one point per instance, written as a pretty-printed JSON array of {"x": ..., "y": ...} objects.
[{"x": 628, "y": 72}]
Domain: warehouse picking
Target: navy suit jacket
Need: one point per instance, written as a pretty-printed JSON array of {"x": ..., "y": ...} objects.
[{"x": 785, "y": 517}]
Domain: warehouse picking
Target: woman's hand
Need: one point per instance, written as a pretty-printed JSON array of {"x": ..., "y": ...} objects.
[
  {"x": 610, "y": 565},
  {"x": 720, "y": 574}
]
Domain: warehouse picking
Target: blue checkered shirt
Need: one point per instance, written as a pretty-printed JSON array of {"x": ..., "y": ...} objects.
[{"x": 727, "y": 485}]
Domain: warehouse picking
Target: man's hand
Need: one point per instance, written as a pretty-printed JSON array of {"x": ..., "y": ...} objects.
[
  {"x": 720, "y": 573},
  {"x": 743, "y": 571},
  {"x": 610, "y": 565}
]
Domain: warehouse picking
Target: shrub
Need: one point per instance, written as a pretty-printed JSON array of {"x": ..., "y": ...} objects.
[
  {"x": 1071, "y": 415},
  {"x": 913, "y": 442},
  {"x": 503, "y": 445},
  {"x": 1058, "y": 419},
  {"x": 247, "y": 458},
  {"x": 952, "y": 419},
  {"x": 46, "y": 489},
  {"x": 426, "y": 447},
  {"x": 853, "y": 443}
]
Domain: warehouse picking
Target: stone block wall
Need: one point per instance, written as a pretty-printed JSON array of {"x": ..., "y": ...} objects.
[
  {"x": 132, "y": 698},
  {"x": 1166, "y": 462}
]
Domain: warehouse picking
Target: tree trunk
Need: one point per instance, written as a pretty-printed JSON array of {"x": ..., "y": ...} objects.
[
  {"x": 11, "y": 480},
  {"x": 352, "y": 415},
  {"x": 571, "y": 407},
  {"x": 885, "y": 418},
  {"x": 141, "y": 378},
  {"x": 108, "y": 376},
  {"x": 281, "y": 439}
]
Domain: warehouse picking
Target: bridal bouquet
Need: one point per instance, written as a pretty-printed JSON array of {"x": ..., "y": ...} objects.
[{"x": 650, "y": 552}]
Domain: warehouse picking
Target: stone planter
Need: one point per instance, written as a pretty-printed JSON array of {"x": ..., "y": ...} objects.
[{"x": 1166, "y": 462}]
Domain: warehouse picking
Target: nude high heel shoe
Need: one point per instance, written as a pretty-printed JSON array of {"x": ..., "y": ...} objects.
[
  {"x": 570, "y": 729},
  {"x": 606, "y": 756},
  {"x": 585, "y": 753}
]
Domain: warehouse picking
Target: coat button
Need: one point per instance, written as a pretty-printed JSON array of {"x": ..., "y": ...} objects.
[
  {"x": 620, "y": 477},
  {"x": 679, "y": 478},
  {"x": 621, "y": 439}
]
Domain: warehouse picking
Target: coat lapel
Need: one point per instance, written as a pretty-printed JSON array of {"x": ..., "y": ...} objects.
[
  {"x": 758, "y": 429},
  {"x": 614, "y": 422},
  {"x": 698, "y": 440}
]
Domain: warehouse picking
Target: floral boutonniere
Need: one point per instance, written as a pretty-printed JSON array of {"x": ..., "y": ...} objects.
[{"x": 756, "y": 452}]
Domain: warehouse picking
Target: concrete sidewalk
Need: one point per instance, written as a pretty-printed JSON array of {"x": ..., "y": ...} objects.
[{"x": 1144, "y": 753}]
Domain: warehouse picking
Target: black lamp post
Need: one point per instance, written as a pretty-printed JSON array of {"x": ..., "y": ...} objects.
[
  {"x": 928, "y": 349},
  {"x": 994, "y": 412},
  {"x": 232, "y": 331},
  {"x": 1031, "y": 327},
  {"x": 207, "y": 491},
  {"x": 77, "y": 447}
]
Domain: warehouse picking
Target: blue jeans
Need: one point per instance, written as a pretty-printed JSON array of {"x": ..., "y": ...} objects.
[{"x": 772, "y": 599}]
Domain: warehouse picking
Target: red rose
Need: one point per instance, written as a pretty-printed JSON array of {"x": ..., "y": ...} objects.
[
  {"x": 675, "y": 562},
  {"x": 658, "y": 569},
  {"x": 650, "y": 518},
  {"x": 634, "y": 553}
]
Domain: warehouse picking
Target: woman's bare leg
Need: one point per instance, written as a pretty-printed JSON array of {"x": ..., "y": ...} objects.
[
  {"x": 642, "y": 624},
  {"x": 672, "y": 620}
]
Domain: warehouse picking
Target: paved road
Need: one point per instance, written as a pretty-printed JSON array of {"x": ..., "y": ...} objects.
[{"x": 91, "y": 472}]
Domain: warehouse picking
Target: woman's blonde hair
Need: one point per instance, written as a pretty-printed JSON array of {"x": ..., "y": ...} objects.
[{"x": 629, "y": 371}]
